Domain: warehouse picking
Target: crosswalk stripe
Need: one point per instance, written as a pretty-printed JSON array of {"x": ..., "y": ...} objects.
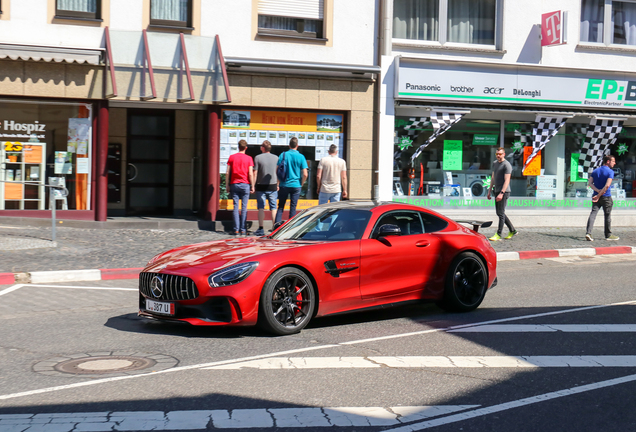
[
  {"x": 226, "y": 419},
  {"x": 541, "y": 328},
  {"x": 432, "y": 362}
]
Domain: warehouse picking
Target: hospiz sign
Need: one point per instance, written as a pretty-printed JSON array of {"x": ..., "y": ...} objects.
[
  {"x": 462, "y": 82},
  {"x": 15, "y": 129}
]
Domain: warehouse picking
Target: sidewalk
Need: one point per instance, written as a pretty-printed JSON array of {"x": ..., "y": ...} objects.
[{"x": 29, "y": 249}]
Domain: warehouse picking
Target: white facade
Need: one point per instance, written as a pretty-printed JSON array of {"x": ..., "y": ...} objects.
[{"x": 517, "y": 50}]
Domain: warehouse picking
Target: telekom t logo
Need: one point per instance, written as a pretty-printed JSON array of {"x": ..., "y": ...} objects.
[{"x": 551, "y": 28}]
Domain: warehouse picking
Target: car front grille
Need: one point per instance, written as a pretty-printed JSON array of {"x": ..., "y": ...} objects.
[{"x": 173, "y": 287}]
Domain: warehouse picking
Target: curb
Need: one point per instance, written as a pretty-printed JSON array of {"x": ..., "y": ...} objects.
[
  {"x": 555, "y": 253},
  {"x": 69, "y": 276},
  {"x": 133, "y": 273}
]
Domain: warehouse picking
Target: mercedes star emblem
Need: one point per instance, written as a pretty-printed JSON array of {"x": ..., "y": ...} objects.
[{"x": 156, "y": 286}]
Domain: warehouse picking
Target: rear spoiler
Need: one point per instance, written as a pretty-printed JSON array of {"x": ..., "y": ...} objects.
[{"x": 476, "y": 224}]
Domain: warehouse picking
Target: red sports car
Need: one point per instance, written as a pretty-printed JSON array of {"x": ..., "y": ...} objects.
[{"x": 328, "y": 259}]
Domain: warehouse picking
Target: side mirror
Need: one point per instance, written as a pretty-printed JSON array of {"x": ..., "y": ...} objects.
[
  {"x": 278, "y": 224},
  {"x": 389, "y": 230}
]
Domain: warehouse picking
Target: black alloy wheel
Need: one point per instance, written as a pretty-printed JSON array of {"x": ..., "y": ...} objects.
[
  {"x": 466, "y": 283},
  {"x": 287, "y": 302}
]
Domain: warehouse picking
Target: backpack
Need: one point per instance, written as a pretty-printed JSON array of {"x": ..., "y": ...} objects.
[{"x": 281, "y": 169}]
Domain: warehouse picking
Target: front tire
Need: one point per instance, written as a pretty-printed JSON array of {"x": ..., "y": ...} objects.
[
  {"x": 287, "y": 302},
  {"x": 466, "y": 283}
]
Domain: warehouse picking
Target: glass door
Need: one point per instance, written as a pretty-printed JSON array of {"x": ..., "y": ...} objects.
[{"x": 149, "y": 163}]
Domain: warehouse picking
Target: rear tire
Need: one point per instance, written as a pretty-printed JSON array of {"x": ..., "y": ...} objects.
[
  {"x": 287, "y": 302},
  {"x": 466, "y": 283}
]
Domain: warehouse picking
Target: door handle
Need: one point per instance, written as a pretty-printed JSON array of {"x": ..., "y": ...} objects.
[
  {"x": 136, "y": 172},
  {"x": 422, "y": 243}
]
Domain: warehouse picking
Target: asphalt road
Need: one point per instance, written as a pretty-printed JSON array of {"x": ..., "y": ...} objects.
[{"x": 552, "y": 348}]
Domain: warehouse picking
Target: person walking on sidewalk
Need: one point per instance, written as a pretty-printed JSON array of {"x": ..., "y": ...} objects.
[
  {"x": 239, "y": 181},
  {"x": 296, "y": 174},
  {"x": 500, "y": 182},
  {"x": 266, "y": 186},
  {"x": 601, "y": 182},
  {"x": 331, "y": 177}
]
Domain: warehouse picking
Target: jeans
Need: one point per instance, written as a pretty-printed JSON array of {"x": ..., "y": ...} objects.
[
  {"x": 606, "y": 202},
  {"x": 268, "y": 196},
  {"x": 283, "y": 193},
  {"x": 500, "y": 208},
  {"x": 240, "y": 191},
  {"x": 325, "y": 197}
]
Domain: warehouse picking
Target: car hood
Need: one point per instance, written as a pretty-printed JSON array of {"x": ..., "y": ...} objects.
[{"x": 217, "y": 254}]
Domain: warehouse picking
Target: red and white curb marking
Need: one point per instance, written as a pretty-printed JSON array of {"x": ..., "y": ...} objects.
[
  {"x": 69, "y": 275},
  {"x": 133, "y": 273}
]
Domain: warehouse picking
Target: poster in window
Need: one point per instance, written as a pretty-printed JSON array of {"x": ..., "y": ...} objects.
[
  {"x": 320, "y": 153},
  {"x": 224, "y": 136},
  {"x": 302, "y": 138},
  {"x": 282, "y": 137},
  {"x": 253, "y": 138},
  {"x": 78, "y": 132},
  {"x": 272, "y": 137},
  {"x": 453, "y": 154},
  {"x": 243, "y": 135},
  {"x": 534, "y": 168},
  {"x": 63, "y": 162},
  {"x": 320, "y": 140},
  {"x": 225, "y": 151},
  {"x": 232, "y": 136},
  {"x": 311, "y": 139},
  {"x": 262, "y": 136},
  {"x": 82, "y": 165}
]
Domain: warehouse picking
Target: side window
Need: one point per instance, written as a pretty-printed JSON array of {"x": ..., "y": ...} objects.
[
  {"x": 432, "y": 223},
  {"x": 408, "y": 221},
  {"x": 171, "y": 13},
  {"x": 304, "y": 19},
  {"x": 86, "y": 9}
]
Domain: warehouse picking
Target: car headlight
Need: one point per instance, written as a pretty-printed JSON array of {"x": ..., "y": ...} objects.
[{"x": 232, "y": 274}]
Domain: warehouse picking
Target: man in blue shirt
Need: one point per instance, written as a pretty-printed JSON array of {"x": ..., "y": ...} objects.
[
  {"x": 601, "y": 182},
  {"x": 296, "y": 175}
]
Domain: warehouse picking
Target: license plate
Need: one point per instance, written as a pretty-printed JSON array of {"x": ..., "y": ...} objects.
[{"x": 160, "y": 307}]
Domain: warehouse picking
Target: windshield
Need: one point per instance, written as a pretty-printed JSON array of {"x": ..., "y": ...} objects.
[{"x": 325, "y": 224}]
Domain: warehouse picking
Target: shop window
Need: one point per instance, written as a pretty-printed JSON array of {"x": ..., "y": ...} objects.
[
  {"x": 86, "y": 9},
  {"x": 608, "y": 22},
  {"x": 171, "y": 13},
  {"x": 291, "y": 18},
  {"x": 472, "y": 22}
]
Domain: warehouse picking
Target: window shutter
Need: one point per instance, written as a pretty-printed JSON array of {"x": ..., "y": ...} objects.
[{"x": 309, "y": 9}]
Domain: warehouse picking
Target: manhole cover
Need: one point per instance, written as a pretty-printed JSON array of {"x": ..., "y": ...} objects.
[{"x": 105, "y": 364}]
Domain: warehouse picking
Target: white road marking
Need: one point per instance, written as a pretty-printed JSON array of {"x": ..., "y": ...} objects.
[
  {"x": 546, "y": 328},
  {"x": 299, "y": 350},
  {"x": 513, "y": 404},
  {"x": 432, "y": 362},
  {"x": 224, "y": 419},
  {"x": 10, "y": 289}
]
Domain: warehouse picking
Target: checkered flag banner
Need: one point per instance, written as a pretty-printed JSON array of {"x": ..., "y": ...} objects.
[
  {"x": 414, "y": 125},
  {"x": 601, "y": 134},
  {"x": 522, "y": 134},
  {"x": 545, "y": 128},
  {"x": 442, "y": 121}
]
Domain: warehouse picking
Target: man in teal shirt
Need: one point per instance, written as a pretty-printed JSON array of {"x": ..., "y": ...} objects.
[{"x": 295, "y": 178}]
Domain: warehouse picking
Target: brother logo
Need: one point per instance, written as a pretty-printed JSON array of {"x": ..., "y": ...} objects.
[{"x": 461, "y": 89}]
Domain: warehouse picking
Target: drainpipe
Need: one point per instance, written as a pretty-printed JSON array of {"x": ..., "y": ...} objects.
[{"x": 384, "y": 48}]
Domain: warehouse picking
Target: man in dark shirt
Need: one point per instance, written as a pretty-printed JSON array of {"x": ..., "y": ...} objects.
[{"x": 500, "y": 182}]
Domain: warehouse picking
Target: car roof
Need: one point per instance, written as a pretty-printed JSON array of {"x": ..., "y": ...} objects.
[{"x": 371, "y": 205}]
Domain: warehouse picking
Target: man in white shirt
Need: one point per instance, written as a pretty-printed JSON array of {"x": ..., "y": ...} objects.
[{"x": 331, "y": 177}]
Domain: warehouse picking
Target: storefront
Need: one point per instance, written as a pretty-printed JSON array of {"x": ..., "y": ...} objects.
[
  {"x": 315, "y": 131},
  {"x": 449, "y": 119},
  {"x": 46, "y": 143}
]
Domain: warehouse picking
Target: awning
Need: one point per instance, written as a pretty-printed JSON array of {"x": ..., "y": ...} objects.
[
  {"x": 50, "y": 53},
  {"x": 302, "y": 68}
]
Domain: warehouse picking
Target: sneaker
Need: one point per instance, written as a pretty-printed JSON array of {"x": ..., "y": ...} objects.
[
  {"x": 588, "y": 237},
  {"x": 511, "y": 235},
  {"x": 496, "y": 237},
  {"x": 236, "y": 233},
  {"x": 259, "y": 232},
  {"x": 612, "y": 237}
]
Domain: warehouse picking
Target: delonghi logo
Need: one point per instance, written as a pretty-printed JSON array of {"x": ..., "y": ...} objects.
[
  {"x": 493, "y": 90},
  {"x": 461, "y": 89},
  {"x": 607, "y": 91},
  {"x": 10, "y": 125},
  {"x": 522, "y": 92}
]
